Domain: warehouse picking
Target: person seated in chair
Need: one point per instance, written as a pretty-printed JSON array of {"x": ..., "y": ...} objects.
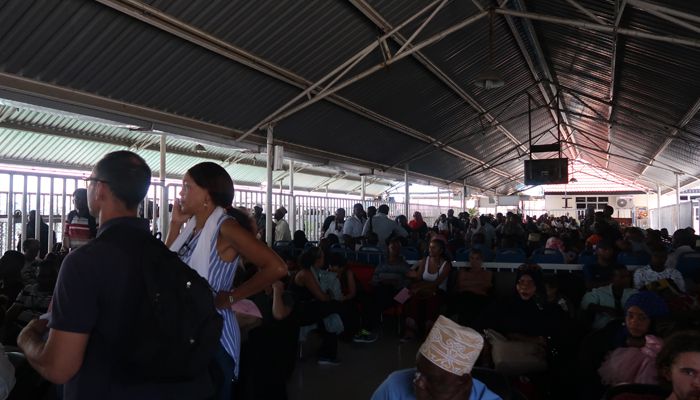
[
  {"x": 606, "y": 303},
  {"x": 472, "y": 288},
  {"x": 657, "y": 271},
  {"x": 678, "y": 363},
  {"x": 443, "y": 368}
]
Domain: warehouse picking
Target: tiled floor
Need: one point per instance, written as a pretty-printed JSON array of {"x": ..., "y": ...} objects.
[{"x": 363, "y": 367}]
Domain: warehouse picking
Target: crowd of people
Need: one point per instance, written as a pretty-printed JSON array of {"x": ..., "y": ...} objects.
[{"x": 209, "y": 312}]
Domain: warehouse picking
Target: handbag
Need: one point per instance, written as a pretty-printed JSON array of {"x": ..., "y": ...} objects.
[{"x": 516, "y": 357}]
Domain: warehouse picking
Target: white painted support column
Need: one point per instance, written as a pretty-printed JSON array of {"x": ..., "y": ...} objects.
[
  {"x": 268, "y": 205},
  {"x": 293, "y": 203},
  {"x": 464, "y": 195},
  {"x": 164, "y": 220},
  {"x": 37, "y": 213},
  {"x": 10, "y": 219},
  {"x": 407, "y": 189},
  {"x": 51, "y": 233},
  {"x": 24, "y": 209},
  {"x": 678, "y": 202},
  {"x": 658, "y": 207},
  {"x": 363, "y": 180},
  {"x": 63, "y": 212}
]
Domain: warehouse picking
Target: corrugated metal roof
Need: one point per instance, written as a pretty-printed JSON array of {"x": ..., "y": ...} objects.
[{"x": 93, "y": 48}]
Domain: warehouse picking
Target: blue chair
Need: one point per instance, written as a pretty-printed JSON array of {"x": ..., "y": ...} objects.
[
  {"x": 488, "y": 253},
  {"x": 629, "y": 258},
  {"x": 462, "y": 254},
  {"x": 547, "y": 256},
  {"x": 282, "y": 243},
  {"x": 510, "y": 256},
  {"x": 587, "y": 257},
  {"x": 689, "y": 265},
  {"x": 410, "y": 253}
]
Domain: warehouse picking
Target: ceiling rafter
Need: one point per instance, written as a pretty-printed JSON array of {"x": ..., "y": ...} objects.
[{"x": 161, "y": 20}]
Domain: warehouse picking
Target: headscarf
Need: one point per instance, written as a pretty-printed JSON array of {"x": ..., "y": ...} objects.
[{"x": 649, "y": 302}]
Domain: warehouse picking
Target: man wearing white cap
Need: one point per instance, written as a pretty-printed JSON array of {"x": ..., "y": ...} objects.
[{"x": 443, "y": 368}]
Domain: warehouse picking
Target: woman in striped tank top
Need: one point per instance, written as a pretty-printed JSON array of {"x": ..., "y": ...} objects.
[{"x": 212, "y": 242}]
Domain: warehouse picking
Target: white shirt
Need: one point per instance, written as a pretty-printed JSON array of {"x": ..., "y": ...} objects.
[
  {"x": 672, "y": 259},
  {"x": 282, "y": 230},
  {"x": 353, "y": 227},
  {"x": 603, "y": 296},
  {"x": 334, "y": 229},
  {"x": 384, "y": 227},
  {"x": 645, "y": 275}
]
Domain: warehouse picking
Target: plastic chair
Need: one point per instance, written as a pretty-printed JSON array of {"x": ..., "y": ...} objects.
[
  {"x": 547, "y": 256},
  {"x": 629, "y": 258},
  {"x": 689, "y": 265},
  {"x": 510, "y": 256},
  {"x": 587, "y": 257},
  {"x": 410, "y": 253},
  {"x": 636, "y": 391},
  {"x": 462, "y": 254}
]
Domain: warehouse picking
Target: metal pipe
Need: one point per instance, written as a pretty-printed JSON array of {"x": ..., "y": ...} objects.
[
  {"x": 649, "y": 6},
  {"x": 586, "y": 11},
  {"x": 37, "y": 213},
  {"x": 63, "y": 214},
  {"x": 658, "y": 206},
  {"x": 164, "y": 220},
  {"x": 292, "y": 205},
  {"x": 678, "y": 201},
  {"x": 600, "y": 28},
  {"x": 362, "y": 189},
  {"x": 422, "y": 26},
  {"x": 268, "y": 205},
  {"x": 25, "y": 199},
  {"x": 51, "y": 232},
  {"x": 10, "y": 219},
  {"x": 407, "y": 193}
]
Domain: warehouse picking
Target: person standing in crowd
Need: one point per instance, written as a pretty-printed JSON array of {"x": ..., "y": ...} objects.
[
  {"x": 336, "y": 226},
  {"x": 383, "y": 227},
  {"x": 260, "y": 221},
  {"x": 94, "y": 307},
  {"x": 352, "y": 229},
  {"x": 418, "y": 225},
  {"x": 678, "y": 364},
  {"x": 43, "y": 233},
  {"x": 443, "y": 368},
  {"x": 212, "y": 242},
  {"x": 282, "y": 232},
  {"x": 80, "y": 227}
]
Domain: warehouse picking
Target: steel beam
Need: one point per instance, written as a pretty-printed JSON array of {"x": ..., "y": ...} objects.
[
  {"x": 383, "y": 24},
  {"x": 674, "y": 132}
]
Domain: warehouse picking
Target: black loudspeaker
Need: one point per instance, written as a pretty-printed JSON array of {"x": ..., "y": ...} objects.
[{"x": 547, "y": 172}]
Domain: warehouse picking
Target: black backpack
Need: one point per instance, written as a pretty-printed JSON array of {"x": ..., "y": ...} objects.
[{"x": 175, "y": 326}]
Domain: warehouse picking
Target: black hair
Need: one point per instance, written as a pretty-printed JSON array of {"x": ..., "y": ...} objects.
[
  {"x": 215, "y": 180},
  {"x": 384, "y": 209},
  {"x": 243, "y": 219},
  {"x": 309, "y": 257},
  {"x": 476, "y": 251},
  {"x": 126, "y": 174},
  {"x": 680, "y": 342}
]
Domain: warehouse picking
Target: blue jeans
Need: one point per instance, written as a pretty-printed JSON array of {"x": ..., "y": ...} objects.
[{"x": 222, "y": 374}]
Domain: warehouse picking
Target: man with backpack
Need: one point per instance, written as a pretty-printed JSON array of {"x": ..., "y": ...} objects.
[{"x": 122, "y": 324}]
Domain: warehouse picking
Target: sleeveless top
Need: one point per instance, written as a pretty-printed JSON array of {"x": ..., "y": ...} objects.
[
  {"x": 220, "y": 277},
  {"x": 428, "y": 277}
]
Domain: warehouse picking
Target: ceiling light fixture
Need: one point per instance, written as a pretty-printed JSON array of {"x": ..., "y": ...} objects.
[
  {"x": 199, "y": 149},
  {"x": 489, "y": 78}
]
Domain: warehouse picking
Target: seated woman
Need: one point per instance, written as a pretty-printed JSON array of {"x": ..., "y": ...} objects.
[
  {"x": 625, "y": 350},
  {"x": 633, "y": 357},
  {"x": 472, "y": 289},
  {"x": 314, "y": 305},
  {"x": 427, "y": 290},
  {"x": 524, "y": 320}
]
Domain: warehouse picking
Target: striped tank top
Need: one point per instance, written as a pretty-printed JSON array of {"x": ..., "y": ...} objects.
[{"x": 220, "y": 277}]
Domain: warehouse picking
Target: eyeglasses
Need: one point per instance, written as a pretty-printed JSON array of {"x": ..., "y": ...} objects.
[{"x": 94, "y": 179}]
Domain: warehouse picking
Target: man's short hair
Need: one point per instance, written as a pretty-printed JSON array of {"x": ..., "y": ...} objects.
[
  {"x": 30, "y": 244},
  {"x": 127, "y": 175},
  {"x": 384, "y": 209},
  {"x": 680, "y": 342}
]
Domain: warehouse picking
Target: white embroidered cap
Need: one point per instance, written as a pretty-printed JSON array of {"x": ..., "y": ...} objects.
[{"x": 452, "y": 347}]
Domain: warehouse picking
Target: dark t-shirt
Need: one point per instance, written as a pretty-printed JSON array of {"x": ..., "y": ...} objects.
[
  {"x": 97, "y": 294},
  {"x": 598, "y": 273}
]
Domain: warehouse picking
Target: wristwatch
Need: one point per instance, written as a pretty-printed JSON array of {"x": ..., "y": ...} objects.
[{"x": 231, "y": 300}]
